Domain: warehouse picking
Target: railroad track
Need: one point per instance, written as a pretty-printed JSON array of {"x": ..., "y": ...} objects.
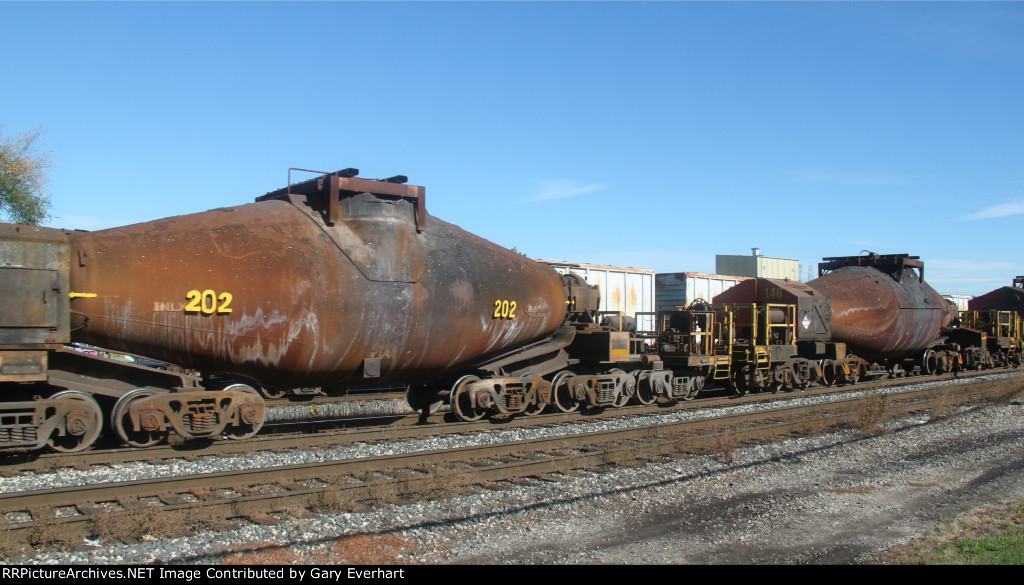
[
  {"x": 337, "y": 431},
  {"x": 269, "y": 495}
]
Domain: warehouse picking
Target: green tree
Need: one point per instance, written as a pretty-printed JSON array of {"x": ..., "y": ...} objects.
[{"x": 23, "y": 179}]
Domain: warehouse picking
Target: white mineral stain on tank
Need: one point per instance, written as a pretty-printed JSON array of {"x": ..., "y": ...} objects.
[
  {"x": 263, "y": 349},
  {"x": 119, "y": 314},
  {"x": 461, "y": 292},
  {"x": 388, "y": 324}
]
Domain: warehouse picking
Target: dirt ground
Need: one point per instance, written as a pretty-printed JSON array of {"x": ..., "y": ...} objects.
[{"x": 843, "y": 503}]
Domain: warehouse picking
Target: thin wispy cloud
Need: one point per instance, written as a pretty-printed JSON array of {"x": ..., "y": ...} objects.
[
  {"x": 973, "y": 265},
  {"x": 562, "y": 188},
  {"x": 995, "y": 211},
  {"x": 984, "y": 32},
  {"x": 970, "y": 276},
  {"x": 864, "y": 179}
]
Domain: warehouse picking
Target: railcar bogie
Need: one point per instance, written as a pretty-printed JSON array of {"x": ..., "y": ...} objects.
[
  {"x": 986, "y": 339},
  {"x": 71, "y": 387}
]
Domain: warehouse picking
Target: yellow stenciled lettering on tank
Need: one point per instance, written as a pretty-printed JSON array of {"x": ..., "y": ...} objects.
[
  {"x": 505, "y": 309},
  {"x": 208, "y": 302},
  {"x": 168, "y": 306}
]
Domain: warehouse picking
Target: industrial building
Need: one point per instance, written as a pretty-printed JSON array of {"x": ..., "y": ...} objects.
[{"x": 757, "y": 266}]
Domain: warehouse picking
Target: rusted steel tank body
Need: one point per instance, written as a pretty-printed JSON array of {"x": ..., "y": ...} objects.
[
  {"x": 336, "y": 281},
  {"x": 881, "y": 306}
]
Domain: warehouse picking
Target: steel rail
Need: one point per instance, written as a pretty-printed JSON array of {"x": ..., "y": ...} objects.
[
  {"x": 404, "y": 428},
  {"x": 253, "y": 493},
  {"x": 222, "y": 480}
]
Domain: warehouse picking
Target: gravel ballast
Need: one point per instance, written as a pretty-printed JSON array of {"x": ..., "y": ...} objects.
[{"x": 835, "y": 498}]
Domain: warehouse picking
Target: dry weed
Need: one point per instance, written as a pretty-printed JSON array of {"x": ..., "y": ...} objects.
[
  {"x": 383, "y": 493},
  {"x": 48, "y": 531},
  {"x": 245, "y": 509},
  {"x": 447, "y": 482},
  {"x": 872, "y": 413},
  {"x": 615, "y": 457},
  {"x": 151, "y": 522},
  {"x": 1015, "y": 390},
  {"x": 110, "y": 527},
  {"x": 332, "y": 500},
  {"x": 203, "y": 493},
  {"x": 814, "y": 426},
  {"x": 724, "y": 444},
  {"x": 945, "y": 405},
  {"x": 582, "y": 462},
  {"x": 5, "y": 538}
]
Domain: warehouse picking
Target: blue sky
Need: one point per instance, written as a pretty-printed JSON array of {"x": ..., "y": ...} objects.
[{"x": 652, "y": 135}]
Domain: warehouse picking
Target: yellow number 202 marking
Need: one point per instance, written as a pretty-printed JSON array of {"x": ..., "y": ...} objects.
[
  {"x": 504, "y": 309},
  {"x": 208, "y": 302}
]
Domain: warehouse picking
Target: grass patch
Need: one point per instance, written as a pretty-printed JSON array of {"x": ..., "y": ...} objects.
[
  {"x": 1004, "y": 549},
  {"x": 990, "y": 537}
]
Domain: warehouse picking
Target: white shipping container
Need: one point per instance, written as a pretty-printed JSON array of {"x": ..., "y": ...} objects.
[
  {"x": 960, "y": 300},
  {"x": 625, "y": 290},
  {"x": 679, "y": 289}
]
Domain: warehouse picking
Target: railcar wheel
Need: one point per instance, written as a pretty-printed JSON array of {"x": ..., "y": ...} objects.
[
  {"x": 799, "y": 376},
  {"x": 696, "y": 387},
  {"x": 272, "y": 393},
  {"x": 623, "y": 400},
  {"x": 536, "y": 407},
  {"x": 460, "y": 401},
  {"x": 645, "y": 392},
  {"x": 626, "y": 392},
  {"x": 122, "y": 423},
  {"x": 246, "y": 429},
  {"x": 779, "y": 377},
  {"x": 928, "y": 362},
  {"x": 82, "y": 423},
  {"x": 802, "y": 377},
  {"x": 853, "y": 377},
  {"x": 828, "y": 372},
  {"x": 759, "y": 382},
  {"x": 562, "y": 391}
]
